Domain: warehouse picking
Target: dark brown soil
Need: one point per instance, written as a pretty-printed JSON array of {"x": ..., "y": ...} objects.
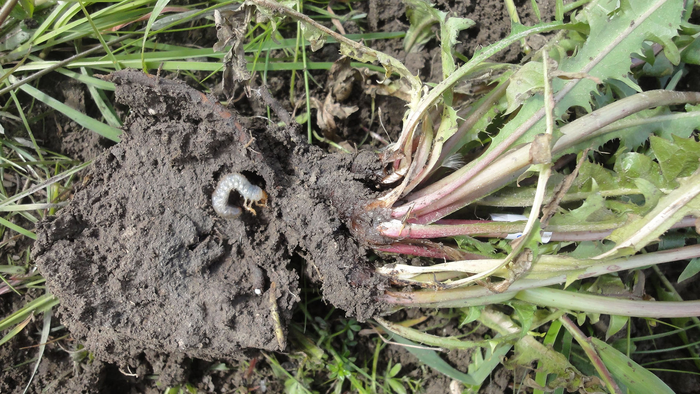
[{"x": 140, "y": 260}]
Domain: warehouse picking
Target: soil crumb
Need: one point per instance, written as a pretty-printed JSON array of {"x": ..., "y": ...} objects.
[{"x": 141, "y": 262}]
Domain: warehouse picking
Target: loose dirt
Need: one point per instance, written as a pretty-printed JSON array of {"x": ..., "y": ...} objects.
[
  {"x": 140, "y": 260},
  {"x": 152, "y": 280}
]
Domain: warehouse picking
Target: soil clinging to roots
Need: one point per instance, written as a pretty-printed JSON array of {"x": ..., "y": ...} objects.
[{"x": 141, "y": 261}]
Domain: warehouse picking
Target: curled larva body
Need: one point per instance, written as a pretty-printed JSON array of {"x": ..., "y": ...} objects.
[{"x": 250, "y": 193}]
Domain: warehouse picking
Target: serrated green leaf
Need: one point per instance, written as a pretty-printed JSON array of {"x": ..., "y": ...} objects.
[
  {"x": 618, "y": 29},
  {"x": 528, "y": 350},
  {"x": 525, "y": 314},
  {"x": 524, "y": 83},
  {"x": 677, "y": 158},
  {"x": 421, "y": 17},
  {"x": 314, "y": 36},
  {"x": 588, "y": 249},
  {"x": 592, "y": 210},
  {"x": 690, "y": 270},
  {"x": 639, "y": 232},
  {"x": 632, "y": 166},
  {"x": 471, "y": 314},
  {"x": 638, "y": 379},
  {"x": 473, "y": 245},
  {"x": 691, "y": 54},
  {"x": 450, "y": 28},
  {"x": 635, "y": 130}
]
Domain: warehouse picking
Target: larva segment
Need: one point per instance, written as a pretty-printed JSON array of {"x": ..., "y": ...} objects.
[{"x": 250, "y": 193}]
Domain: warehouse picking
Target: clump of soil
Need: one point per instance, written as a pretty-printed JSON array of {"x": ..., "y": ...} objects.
[{"x": 140, "y": 260}]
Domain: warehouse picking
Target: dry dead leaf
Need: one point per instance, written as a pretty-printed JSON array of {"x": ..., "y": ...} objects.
[
  {"x": 230, "y": 29},
  {"x": 327, "y": 112}
]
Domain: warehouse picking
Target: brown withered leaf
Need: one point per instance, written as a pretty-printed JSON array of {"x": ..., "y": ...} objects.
[
  {"x": 231, "y": 27},
  {"x": 341, "y": 78},
  {"x": 327, "y": 112}
]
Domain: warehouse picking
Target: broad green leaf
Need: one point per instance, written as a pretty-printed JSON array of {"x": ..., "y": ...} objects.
[
  {"x": 690, "y": 270},
  {"x": 639, "y": 232},
  {"x": 524, "y": 314},
  {"x": 421, "y": 16},
  {"x": 677, "y": 158},
  {"x": 395, "y": 370},
  {"x": 528, "y": 80},
  {"x": 618, "y": 29},
  {"x": 433, "y": 360},
  {"x": 397, "y": 386},
  {"x": 471, "y": 314},
  {"x": 528, "y": 350},
  {"x": 617, "y": 323},
  {"x": 691, "y": 54},
  {"x": 638, "y": 379},
  {"x": 632, "y": 166}
]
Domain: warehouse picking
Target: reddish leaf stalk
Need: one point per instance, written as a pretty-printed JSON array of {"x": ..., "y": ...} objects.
[
  {"x": 471, "y": 183},
  {"x": 587, "y": 347}
]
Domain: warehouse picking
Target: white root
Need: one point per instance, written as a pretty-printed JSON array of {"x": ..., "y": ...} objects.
[{"x": 250, "y": 193}]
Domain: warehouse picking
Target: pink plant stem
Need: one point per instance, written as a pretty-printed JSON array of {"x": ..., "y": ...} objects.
[
  {"x": 590, "y": 351},
  {"x": 465, "y": 187}
]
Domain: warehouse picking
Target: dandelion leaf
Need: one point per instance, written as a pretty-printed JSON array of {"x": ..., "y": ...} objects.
[
  {"x": 677, "y": 158},
  {"x": 636, "y": 378},
  {"x": 528, "y": 350},
  {"x": 618, "y": 29},
  {"x": 639, "y": 232}
]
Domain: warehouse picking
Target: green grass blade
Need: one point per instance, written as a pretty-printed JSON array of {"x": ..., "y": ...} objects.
[
  {"x": 637, "y": 379},
  {"x": 103, "y": 104},
  {"x": 44, "y": 302},
  {"x": 154, "y": 15},
  {"x": 98, "y": 127},
  {"x": 42, "y": 185},
  {"x": 88, "y": 80},
  {"x": 12, "y": 226},
  {"x": 97, "y": 33},
  {"x": 433, "y": 360},
  {"x": 16, "y": 330},
  {"x": 44, "y": 337}
]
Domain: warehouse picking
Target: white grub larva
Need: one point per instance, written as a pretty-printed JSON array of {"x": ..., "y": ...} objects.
[{"x": 250, "y": 193}]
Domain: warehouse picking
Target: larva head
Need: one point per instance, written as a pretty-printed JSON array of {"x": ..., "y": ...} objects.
[{"x": 262, "y": 202}]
